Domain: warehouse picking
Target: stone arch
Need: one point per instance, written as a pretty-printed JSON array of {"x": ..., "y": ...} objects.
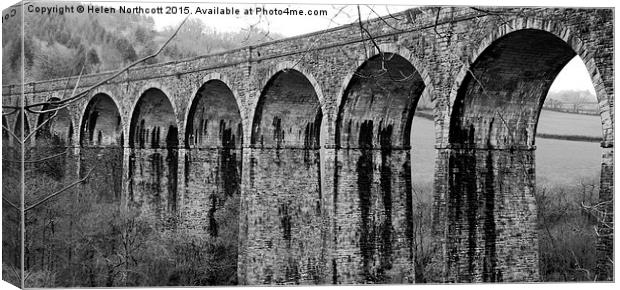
[
  {"x": 580, "y": 48},
  {"x": 214, "y": 76},
  {"x": 56, "y": 131},
  {"x": 531, "y": 78},
  {"x": 132, "y": 109},
  {"x": 231, "y": 102},
  {"x": 285, "y": 182},
  {"x": 307, "y": 102},
  {"x": 396, "y": 49},
  {"x": 491, "y": 165},
  {"x": 389, "y": 48},
  {"x": 161, "y": 113},
  {"x": 213, "y": 147},
  {"x": 101, "y": 123},
  {"x": 101, "y": 145},
  {"x": 373, "y": 127},
  {"x": 153, "y": 156},
  {"x": 293, "y": 66}
]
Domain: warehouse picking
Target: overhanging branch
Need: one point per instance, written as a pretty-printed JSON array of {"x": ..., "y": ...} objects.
[{"x": 59, "y": 191}]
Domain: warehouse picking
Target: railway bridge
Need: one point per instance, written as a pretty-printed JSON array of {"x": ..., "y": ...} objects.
[{"x": 303, "y": 144}]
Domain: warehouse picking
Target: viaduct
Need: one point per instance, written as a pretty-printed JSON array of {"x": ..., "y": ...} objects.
[{"x": 303, "y": 144}]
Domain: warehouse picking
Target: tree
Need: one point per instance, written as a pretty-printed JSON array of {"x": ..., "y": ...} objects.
[
  {"x": 126, "y": 49},
  {"x": 26, "y": 159}
]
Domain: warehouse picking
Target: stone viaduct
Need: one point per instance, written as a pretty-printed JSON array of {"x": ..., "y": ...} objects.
[{"x": 303, "y": 144}]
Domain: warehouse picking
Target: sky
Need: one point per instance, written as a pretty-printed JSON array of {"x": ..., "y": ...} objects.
[
  {"x": 574, "y": 76},
  {"x": 339, "y": 12}
]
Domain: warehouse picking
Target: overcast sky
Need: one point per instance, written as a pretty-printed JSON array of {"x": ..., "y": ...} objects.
[{"x": 340, "y": 12}]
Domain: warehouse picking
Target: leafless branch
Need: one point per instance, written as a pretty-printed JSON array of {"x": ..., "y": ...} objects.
[
  {"x": 384, "y": 21},
  {"x": 38, "y": 160},
  {"x": 13, "y": 109},
  {"x": 359, "y": 21},
  {"x": 12, "y": 134},
  {"x": 437, "y": 23},
  {"x": 36, "y": 129},
  {"x": 10, "y": 203},
  {"x": 85, "y": 92},
  {"x": 322, "y": 36},
  {"x": 59, "y": 191}
]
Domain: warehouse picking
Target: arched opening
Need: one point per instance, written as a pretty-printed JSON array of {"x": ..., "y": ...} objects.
[
  {"x": 54, "y": 134},
  {"x": 492, "y": 197},
  {"x": 373, "y": 194},
  {"x": 423, "y": 159},
  {"x": 101, "y": 123},
  {"x": 153, "y": 122},
  {"x": 285, "y": 178},
  {"x": 214, "y": 139},
  {"x": 568, "y": 173},
  {"x": 288, "y": 114},
  {"x": 101, "y": 141},
  {"x": 55, "y": 126},
  {"x": 153, "y": 158},
  {"x": 214, "y": 119}
]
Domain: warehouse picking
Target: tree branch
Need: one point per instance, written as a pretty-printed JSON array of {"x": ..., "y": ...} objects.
[
  {"x": 384, "y": 21},
  {"x": 106, "y": 80},
  {"x": 10, "y": 203},
  {"x": 13, "y": 108},
  {"x": 59, "y": 191},
  {"x": 38, "y": 160},
  {"x": 322, "y": 36},
  {"x": 36, "y": 129},
  {"x": 11, "y": 133}
]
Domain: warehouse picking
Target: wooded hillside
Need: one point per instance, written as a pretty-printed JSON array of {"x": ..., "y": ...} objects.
[{"x": 59, "y": 45}]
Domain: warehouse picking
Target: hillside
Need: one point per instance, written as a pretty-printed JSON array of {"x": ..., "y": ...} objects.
[{"x": 60, "y": 45}]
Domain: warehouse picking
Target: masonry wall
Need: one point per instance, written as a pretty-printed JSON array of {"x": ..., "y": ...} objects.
[
  {"x": 153, "y": 186},
  {"x": 373, "y": 212},
  {"x": 212, "y": 192},
  {"x": 372, "y": 187},
  {"x": 605, "y": 242},
  {"x": 105, "y": 165},
  {"x": 285, "y": 227},
  {"x": 491, "y": 219},
  {"x": 285, "y": 221}
]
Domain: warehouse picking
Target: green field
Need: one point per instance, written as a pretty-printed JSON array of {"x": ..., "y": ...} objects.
[
  {"x": 557, "y": 161},
  {"x": 551, "y": 122}
]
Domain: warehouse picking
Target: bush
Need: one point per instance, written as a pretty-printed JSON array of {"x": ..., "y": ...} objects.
[{"x": 566, "y": 232}]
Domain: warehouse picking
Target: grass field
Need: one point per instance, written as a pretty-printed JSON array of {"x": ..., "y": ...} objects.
[
  {"x": 558, "y": 162},
  {"x": 551, "y": 122}
]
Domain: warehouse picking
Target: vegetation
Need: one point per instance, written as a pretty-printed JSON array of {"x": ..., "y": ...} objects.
[
  {"x": 83, "y": 239},
  {"x": 60, "y": 45},
  {"x": 572, "y": 101},
  {"x": 428, "y": 265},
  {"x": 11, "y": 191},
  {"x": 567, "y": 233},
  {"x": 82, "y": 236},
  {"x": 560, "y": 123}
]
